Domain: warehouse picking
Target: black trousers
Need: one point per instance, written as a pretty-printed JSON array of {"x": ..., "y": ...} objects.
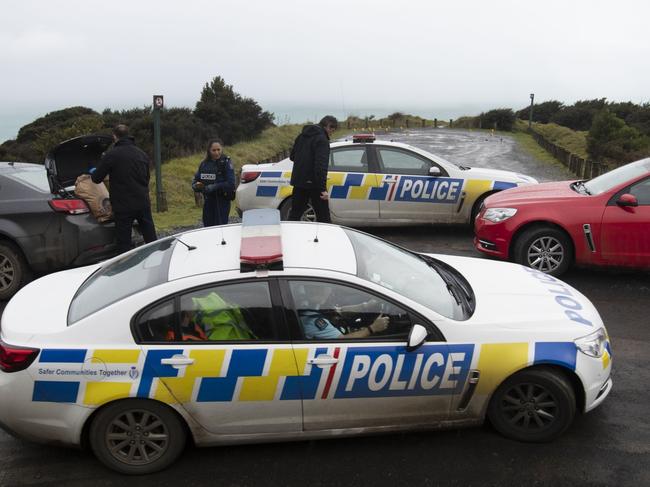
[
  {"x": 215, "y": 211},
  {"x": 301, "y": 197},
  {"x": 124, "y": 223}
]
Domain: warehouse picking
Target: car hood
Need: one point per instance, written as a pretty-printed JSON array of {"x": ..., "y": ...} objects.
[
  {"x": 513, "y": 296},
  {"x": 499, "y": 175},
  {"x": 532, "y": 194},
  {"x": 68, "y": 160},
  {"x": 41, "y": 307}
]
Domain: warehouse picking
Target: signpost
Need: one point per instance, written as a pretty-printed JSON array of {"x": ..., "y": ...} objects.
[
  {"x": 530, "y": 113},
  {"x": 161, "y": 200}
]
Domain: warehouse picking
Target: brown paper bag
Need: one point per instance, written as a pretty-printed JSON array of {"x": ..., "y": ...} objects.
[{"x": 96, "y": 195}]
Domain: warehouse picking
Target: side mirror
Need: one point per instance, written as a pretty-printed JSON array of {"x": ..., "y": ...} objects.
[
  {"x": 627, "y": 199},
  {"x": 434, "y": 171},
  {"x": 417, "y": 337}
]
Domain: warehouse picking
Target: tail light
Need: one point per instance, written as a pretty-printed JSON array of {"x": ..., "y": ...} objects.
[
  {"x": 247, "y": 177},
  {"x": 14, "y": 359},
  {"x": 72, "y": 207}
]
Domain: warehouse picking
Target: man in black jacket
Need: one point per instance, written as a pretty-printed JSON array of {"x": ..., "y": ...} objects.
[
  {"x": 310, "y": 156},
  {"x": 128, "y": 168}
]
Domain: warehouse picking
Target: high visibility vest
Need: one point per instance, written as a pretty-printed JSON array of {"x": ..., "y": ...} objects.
[{"x": 220, "y": 319}]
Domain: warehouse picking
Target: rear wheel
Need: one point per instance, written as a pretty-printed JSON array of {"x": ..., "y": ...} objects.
[
  {"x": 137, "y": 437},
  {"x": 546, "y": 249},
  {"x": 533, "y": 406},
  {"x": 309, "y": 215},
  {"x": 13, "y": 270}
]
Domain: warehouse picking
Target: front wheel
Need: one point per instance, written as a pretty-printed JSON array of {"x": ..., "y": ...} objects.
[
  {"x": 309, "y": 215},
  {"x": 137, "y": 437},
  {"x": 545, "y": 249},
  {"x": 13, "y": 270},
  {"x": 533, "y": 406}
]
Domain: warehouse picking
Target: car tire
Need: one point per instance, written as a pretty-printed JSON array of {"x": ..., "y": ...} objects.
[
  {"x": 117, "y": 429},
  {"x": 14, "y": 271},
  {"x": 535, "y": 405},
  {"x": 309, "y": 214},
  {"x": 476, "y": 209},
  {"x": 545, "y": 249}
]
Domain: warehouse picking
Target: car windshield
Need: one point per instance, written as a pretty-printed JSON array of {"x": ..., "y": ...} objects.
[
  {"x": 144, "y": 268},
  {"x": 423, "y": 279},
  {"x": 618, "y": 176}
]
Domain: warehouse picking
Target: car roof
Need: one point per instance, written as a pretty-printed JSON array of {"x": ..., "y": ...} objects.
[
  {"x": 13, "y": 166},
  {"x": 304, "y": 245}
]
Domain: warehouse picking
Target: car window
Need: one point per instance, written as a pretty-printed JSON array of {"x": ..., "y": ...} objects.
[
  {"x": 349, "y": 159},
  {"x": 241, "y": 311},
  {"x": 330, "y": 311},
  {"x": 35, "y": 177},
  {"x": 424, "y": 280},
  {"x": 642, "y": 191},
  {"x": 395, "y": 161},
  {"x": 157, "y": 323},
  {"x": 129, "y": 274}
]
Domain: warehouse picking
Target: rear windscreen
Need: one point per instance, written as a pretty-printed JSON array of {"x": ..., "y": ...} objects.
[
  {"x": 145, "y": 268},
  {"x": 35, "y": 178}
]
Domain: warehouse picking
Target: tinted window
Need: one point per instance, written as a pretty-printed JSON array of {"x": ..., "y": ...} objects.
[
  {"x": 145, "y": 268},
  {"x": 642, "y": 191},
  {"x": 617, "y": 176},
  {"x": 349, "y": 159},
  {"x": 34, "y": 177},
  {"x": 329, "y": 311},
  {"x": 394, "y": 161},
  {"x": 157, "y": 324},
  {"x": 241, "y": 311}
]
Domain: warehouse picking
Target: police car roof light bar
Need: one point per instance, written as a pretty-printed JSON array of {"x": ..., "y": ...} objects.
[
  {"x": 360, "y": 138},
  {"x": 261, "y": 241}
]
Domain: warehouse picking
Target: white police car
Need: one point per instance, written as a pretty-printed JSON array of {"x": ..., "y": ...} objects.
[
  {"x": 270, "y": 331},
  {"x": 377, "y": 182}
]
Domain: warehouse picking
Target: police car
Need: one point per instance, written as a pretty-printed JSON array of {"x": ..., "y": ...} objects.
[
  {"x": 378, "y": 182},
  {"x": 294, "y": 330}
]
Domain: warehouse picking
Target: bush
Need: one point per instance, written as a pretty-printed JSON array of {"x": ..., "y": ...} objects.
[
  {"x": 499, "y": 119},
  {"x": 611, "y": 140},
  {"x": 542, "y": 112},
  {"x": 580, "y": 115}
]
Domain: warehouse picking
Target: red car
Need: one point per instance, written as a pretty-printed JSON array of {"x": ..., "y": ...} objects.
[{"x": 604, "y": 221}]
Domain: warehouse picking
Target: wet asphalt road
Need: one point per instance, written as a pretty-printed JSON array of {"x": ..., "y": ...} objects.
[{"x": 609, "y": 446}]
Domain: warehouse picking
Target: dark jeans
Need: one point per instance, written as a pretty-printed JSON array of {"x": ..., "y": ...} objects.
[
  {"x": 299, "y": 200},
  {"x": 215, "y": 211},
  {"x": 124, "y": 224}
]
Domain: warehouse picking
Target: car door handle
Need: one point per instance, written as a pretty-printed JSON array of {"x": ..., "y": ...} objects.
[
  {"x": 323, "y": 360},
  {"x": 177, "y": 360}
]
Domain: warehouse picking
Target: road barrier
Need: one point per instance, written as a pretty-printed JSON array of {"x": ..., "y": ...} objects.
[{"x": 582, "y": 168}]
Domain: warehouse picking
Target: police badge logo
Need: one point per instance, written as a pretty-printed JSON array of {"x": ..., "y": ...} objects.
[
  {"x": 133, "y": 373},
  {"x": 321, "y": 323}
]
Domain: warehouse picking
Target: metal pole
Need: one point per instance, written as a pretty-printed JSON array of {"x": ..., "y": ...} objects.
[
  {"x": 530, "y": 113},
  {"x": 161, "y": 201}
]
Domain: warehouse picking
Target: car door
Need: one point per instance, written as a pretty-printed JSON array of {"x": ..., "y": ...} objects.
[
  {"x": 413, "y": 194},
  {"x": 625, "y": 230},
  {"x": 223, "y": 354},
  {"x": 371, "y": 381},
  {"x": 350, "y": 184}
]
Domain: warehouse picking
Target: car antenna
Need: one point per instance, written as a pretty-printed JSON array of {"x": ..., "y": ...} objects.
[
  {"x": 189, "y": 247},
  {"x": 223, "y": 240},
  {"x": 316, "y": 236}
]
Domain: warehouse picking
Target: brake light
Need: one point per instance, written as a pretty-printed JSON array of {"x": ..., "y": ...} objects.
[
  {"x": 14, "y": 359},
  {"x": 72, "y": 207},
  {"x": 247, "y": 177}
]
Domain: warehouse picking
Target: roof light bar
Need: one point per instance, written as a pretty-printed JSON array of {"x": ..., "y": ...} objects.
[
  {"x": 261, "y": 241},
  {"x": 362, "y": 138}
]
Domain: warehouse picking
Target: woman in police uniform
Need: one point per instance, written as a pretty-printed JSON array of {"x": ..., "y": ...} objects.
[{"x": 216, "y": 180}]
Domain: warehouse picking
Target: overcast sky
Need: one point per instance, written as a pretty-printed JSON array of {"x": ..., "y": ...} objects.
[{"x": 299, "y": 58}]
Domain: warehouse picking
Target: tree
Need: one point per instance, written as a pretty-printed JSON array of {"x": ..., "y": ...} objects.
[
  {"x": 611, "y": 140},
  {"x": 542, "y": 112},
  {"x": 500, "y": 119},
  {"x": 580, "y": 115},
  {"x": 230, "y": 116}
]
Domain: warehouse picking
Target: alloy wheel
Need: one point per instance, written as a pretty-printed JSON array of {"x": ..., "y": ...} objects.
[
  {"x": 137, "y": 437},
  {"x": 545, "y": 254},
  {"x": 7, "y": 272},
  {"x": 529, "y": 407}
]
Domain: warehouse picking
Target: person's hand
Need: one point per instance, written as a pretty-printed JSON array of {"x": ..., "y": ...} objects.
[
  {"x": 380, "y": 324},
  {"x": 197, "y": 186},
  {"x": 324, "y": 195},
  {"x": 210, "y": 188}
]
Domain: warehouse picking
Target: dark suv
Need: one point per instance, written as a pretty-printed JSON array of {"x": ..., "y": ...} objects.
[{"x": 44, "y": 227}]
